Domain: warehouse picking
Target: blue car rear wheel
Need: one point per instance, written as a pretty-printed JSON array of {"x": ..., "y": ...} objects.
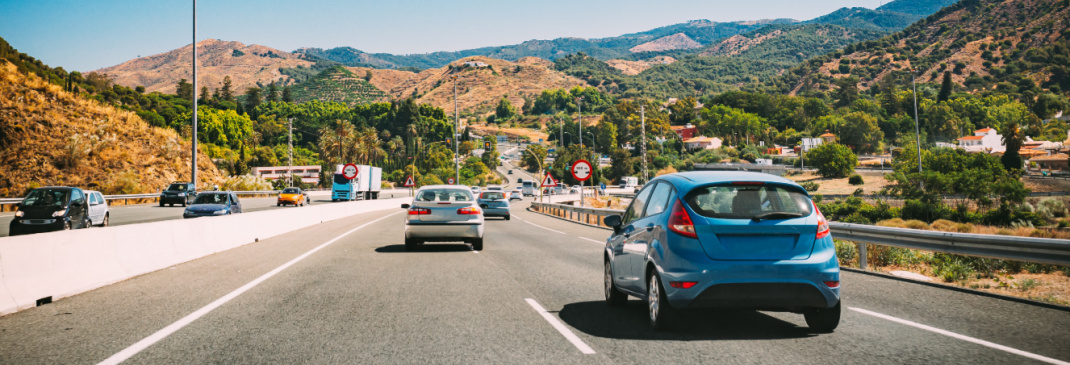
[
  {"x": 660, "y": 312},
  {"x": 823, "y": 320}
]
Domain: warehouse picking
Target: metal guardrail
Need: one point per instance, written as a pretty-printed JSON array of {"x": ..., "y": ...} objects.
[
  {"x": 10, "y": 201},
  {"x": 1028, "y": 249}
]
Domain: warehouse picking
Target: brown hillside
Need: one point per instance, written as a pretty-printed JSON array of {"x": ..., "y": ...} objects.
[
  {"x": 667, "y": 43},
  {"x": 216, "y": 59},
  {"x": 635, "y": 67},
  {"x": 1007, "y": 28},
  {"x": 52, "y": 137},
  {"x": 736, "y": 44},
  {"x": 478, "y": 88}
]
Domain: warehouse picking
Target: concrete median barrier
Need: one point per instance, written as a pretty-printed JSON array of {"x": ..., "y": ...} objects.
[{"x": 43, "y": 267}]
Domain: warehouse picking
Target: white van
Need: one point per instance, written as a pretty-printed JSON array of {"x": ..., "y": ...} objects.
[{"x": 629, "y": 182}]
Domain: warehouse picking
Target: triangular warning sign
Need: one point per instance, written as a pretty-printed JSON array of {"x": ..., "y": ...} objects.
[
  {"x": 549, "y": 181},
  {"x": 409, "y": 182}
]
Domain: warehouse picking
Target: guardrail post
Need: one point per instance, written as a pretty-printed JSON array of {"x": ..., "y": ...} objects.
[{"x": 862, "y": 255}]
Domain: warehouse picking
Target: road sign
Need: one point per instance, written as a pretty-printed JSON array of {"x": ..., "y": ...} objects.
[
  {"x": 549, "y": 181},
  {"x": 581, "y": 170},
  {"x": 409, "y": 182},
  {"x": 603, "y": 186},
  {"x": 349, "y": 171},
  {"x": 450, "y": 181}
]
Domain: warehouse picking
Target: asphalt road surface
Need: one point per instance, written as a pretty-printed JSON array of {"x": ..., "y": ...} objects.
[
  {"x": 145, "y": 213},
  {"x": 346, "y": 291}
]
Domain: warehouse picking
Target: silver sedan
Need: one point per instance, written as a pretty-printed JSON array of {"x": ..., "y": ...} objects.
[{"x": 443, "y": 213}]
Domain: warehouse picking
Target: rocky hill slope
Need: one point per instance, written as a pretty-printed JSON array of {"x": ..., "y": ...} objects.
[
  {"x": 51, "y": 137},
  {"x": 338, "y": 84},
  {"x": 247, "y": 66}
]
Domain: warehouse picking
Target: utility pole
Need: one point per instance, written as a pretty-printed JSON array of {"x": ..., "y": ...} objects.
[
  {"x": 917, "y": 128},
  {"x": 456, "y": 126},
  {"x": 290, "y": 167},
  {"x": 561, "y": 136},
  {"x": 642, "y": 148},
  {"x": 579, "y": 107},
  {"x": 193, "y": 174}
]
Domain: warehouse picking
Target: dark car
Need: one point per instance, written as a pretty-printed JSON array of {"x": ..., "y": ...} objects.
[
  {"x": 213, "y": 203},
  {"x": 178, "y": 192},
  {"x": 53, "y": 208}
]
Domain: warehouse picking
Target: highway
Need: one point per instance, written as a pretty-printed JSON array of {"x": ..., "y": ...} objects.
[
  {"x": 346, "y": 291},
  {"x": 145, "y": 213}
]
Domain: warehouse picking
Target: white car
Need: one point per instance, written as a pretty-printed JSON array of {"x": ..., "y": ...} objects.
[
  {"x": 574, "y": 190},
  {"x": 515, "y": 195},
  {"x": 443, "y": 213},
  {"x": 98, "y": 208}
]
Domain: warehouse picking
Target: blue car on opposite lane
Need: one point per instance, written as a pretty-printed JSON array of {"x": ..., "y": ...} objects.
[{"x": 724, "y": 240}]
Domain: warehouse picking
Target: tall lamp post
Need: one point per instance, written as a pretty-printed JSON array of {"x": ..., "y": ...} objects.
[
  {"x": 193, "y": 165},
  {"x": 456, "y": 127},
  {"x": 579, "y": 108}
]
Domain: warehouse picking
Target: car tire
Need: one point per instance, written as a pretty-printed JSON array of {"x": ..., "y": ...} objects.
[
  {"x": 410, "y": 244},
  {"x": 107, "y": 218},
  {"x": 66, "y": 225},
  {"x": 183, "y": 203},
  {"x": 171, "y": 205},
  {"x": 823, "y": 320},
  {"x": 161, "y": 203},
  {"x": 660, "y": 313},
  {"x": 86, "y": 223},
  {"x": 477, "y": 244},
  {"x": 614, "y": 297},
  {"x": 506, "y": 217}
]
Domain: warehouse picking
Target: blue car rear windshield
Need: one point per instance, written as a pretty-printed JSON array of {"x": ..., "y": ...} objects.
[{"x": 747, "y": 201}]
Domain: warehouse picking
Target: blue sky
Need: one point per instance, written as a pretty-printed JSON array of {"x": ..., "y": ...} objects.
[{"x": 88, "y": 35}]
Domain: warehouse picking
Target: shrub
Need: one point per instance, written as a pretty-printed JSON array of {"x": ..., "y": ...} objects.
[
  {"x": 858, "y": 192},
  {"x": 847, "y": 253},
  {"x": 810, "y": 186},
  {"x": 950, "y": 268},
  {"x": 916, "y": 224},
  {"x": 833, "y": 160},
  {"x": 855, "y": 179}
]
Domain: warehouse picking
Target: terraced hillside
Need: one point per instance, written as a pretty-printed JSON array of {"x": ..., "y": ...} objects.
[{"x": 339, "y": 85}]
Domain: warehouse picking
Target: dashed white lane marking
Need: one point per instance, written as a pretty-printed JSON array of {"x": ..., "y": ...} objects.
[
  {"x": 963, "y": 337},
  {"x": 595, "y": 241},
  {"x": 561, "y": 328},
  {"x": 174, "y": 327},
  {"x": 548, "y": 229}
]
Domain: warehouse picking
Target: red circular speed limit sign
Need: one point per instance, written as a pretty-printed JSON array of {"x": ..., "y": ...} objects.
[
  {"x": 581, "y": 170},
  {"x": 450, "y": 181},
  {"x": 349, "y": 171}
]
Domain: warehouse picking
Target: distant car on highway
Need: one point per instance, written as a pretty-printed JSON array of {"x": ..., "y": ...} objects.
[
  {"x": 516, "y": 195},
  {"x": 494, "y": 204},
  {"x": 53, "y": 208},
  {"x": 475, "y": 190},
  {"x": 494, "y": 188},
  {"x": 293, "y": 196},
  {"x": 179, "y": 192},
  {"x": 734, "y": 239},
  {"x": 443, "y": 213},
  {"x": 510, "y": 172},
  {"x": 213, "y": 203},
  {"x": 98, "y": 208},
  {"x": 575, "y": 189}
]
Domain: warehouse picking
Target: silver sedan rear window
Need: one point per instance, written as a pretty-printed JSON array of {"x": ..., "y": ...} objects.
[{"x": 444, "y": 195}]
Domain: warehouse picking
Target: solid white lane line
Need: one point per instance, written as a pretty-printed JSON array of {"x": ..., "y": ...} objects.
[
  {"x": 963, "y": 337},
  {"x": 174, "y": 327},
  {"x": 560, "y": 327}
]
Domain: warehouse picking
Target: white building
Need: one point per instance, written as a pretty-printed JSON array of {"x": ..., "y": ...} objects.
[
  {"x": 308, "y": 174},
  {"x": 475, "y": 64},
  {"x": 983, "y": 140},
  {"x": 702, "y": 142}
]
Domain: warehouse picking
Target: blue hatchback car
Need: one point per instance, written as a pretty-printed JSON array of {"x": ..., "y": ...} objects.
[{"x": 724, "y": 239}]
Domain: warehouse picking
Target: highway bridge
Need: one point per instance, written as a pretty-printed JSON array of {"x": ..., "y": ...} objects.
[{"x": 346, "y": 291}]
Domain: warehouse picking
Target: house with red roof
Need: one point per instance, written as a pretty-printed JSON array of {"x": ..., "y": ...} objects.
[{"x": 985, "y": 140}]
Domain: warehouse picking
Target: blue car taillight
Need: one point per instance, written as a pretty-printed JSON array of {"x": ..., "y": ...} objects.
[
  {"x": 822, "y": 224},
  {"x": 680, "y": 222}
]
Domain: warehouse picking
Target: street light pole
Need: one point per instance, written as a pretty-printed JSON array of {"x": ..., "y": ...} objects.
[
  {"x": 579, "y": 107},
  {"x": 290, "y": 167},
  {"x": 642, "y": 148},
  {"x": 456, "y": 127},
  {"x": 193, "y": 165}
]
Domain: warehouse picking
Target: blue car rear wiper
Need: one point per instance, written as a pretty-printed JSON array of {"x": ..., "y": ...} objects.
[{"x": 776, "y": 215}]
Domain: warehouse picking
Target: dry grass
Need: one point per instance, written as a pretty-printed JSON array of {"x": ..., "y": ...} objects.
[
  {"x": 52, "y": 137},
  {"x": 949, "y": 226},
  {"x": 606, "y": 203},
  {"x": 1051, "y": 288},
  {"x": 874, "y": 182}
]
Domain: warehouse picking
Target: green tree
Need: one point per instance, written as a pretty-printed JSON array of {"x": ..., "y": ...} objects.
[
  {"x": 860, "y": 131},
  {"x": 287, "y": 95},
  {"x": 226, "y": 93},
  {"x": 204, "y": 98},
  {"x": 532, "y": 158},
  {"x": 683, "y": 111},
  {"x": 185, "y": 90},
  {"x": 368, "y": 75},
  {"x": 945, "y": 88},
  {"x": 504, "y": 110},
  {"x": 846, "y": 91},
  {"x": 621, "y": 164},
  {"x": 272, "y": 92},
  {"x": 1013, "y": 140},
  {"x": 252, "y": 100},
  {"x": 832, "y": 160}
]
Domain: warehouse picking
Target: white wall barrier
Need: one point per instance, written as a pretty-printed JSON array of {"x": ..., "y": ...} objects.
[{"x": 62, "y": 264}]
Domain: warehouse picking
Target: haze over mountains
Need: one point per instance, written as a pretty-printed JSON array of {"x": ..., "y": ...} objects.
[{"x": 717, "y": 55}]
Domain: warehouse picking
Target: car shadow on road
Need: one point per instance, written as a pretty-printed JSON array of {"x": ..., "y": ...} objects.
[
  {"x": 430, "y": 247},
  {"x": 630, "y": 322}
]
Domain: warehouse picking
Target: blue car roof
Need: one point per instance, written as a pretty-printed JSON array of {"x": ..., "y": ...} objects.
[{"x": 685, "y": 181}]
